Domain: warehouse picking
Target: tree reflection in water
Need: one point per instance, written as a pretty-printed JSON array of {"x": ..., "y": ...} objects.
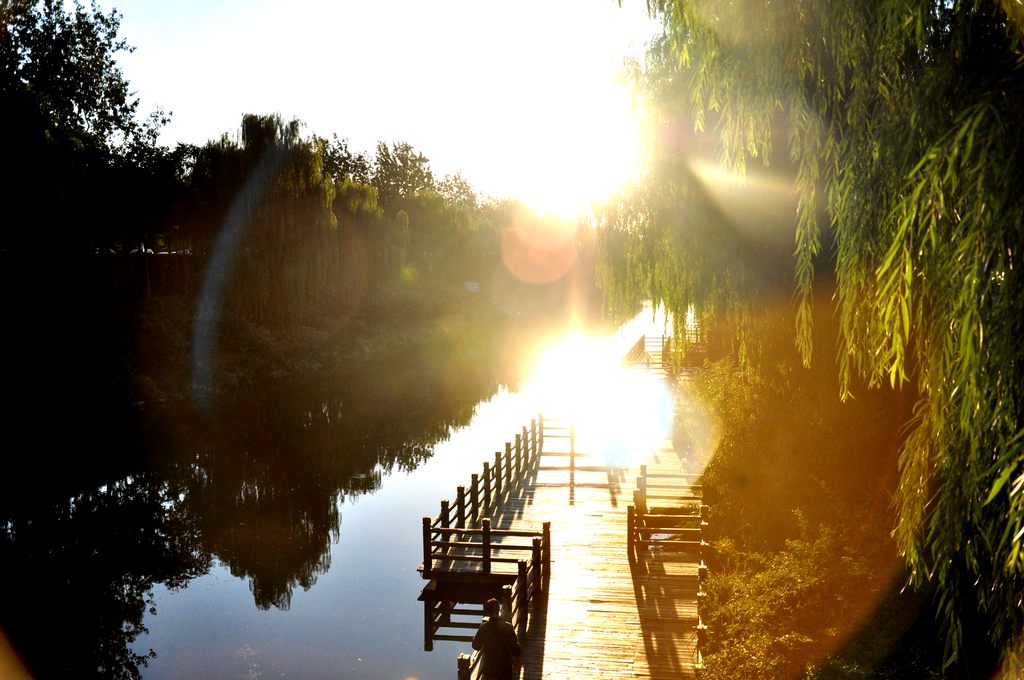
[
  {"x": 258, "y": 488},
  {"x": 78, "y": 575}
]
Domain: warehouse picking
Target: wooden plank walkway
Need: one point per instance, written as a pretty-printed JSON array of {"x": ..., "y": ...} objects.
[
  {"x": 602, "y": 615},
  {"x": 604, "y": 618}
]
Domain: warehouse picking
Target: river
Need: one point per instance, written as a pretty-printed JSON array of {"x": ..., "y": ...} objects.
[{"x": 278, "y": 540}]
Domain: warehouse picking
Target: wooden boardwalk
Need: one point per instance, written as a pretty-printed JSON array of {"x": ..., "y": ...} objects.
[
  {"x": 593, "y": 611},
  {"x": 606, "y": 618}
]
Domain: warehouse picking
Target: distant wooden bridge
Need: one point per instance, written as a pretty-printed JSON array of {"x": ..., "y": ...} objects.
[{"x": 600, "y": 576}]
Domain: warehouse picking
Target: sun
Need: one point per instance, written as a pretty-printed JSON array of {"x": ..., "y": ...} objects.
[
  {"x": 590, "y": 150},
  {"x": 621, "y": 414}
]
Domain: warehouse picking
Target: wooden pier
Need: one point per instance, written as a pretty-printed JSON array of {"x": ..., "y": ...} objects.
[{"x": 607, "y": 581}]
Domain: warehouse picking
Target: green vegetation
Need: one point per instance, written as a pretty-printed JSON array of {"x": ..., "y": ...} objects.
[
  {"x": 896, "y": 122},
  {"x": 805, "y": 581},
  {"x": 199, "y": 270}
]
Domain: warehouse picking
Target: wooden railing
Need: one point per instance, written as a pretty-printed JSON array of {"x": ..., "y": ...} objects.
[
  {"x": 461, "y": 546},
  {"x": 668, "y": 513},
  {"x": 475, "y": 549},
  {"x": 487, "y": 489}
]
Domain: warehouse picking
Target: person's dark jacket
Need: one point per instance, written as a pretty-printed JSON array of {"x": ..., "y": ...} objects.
[{"x": 497, "y": 639}]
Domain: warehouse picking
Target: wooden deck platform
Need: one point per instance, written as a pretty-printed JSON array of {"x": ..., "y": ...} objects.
[
  {"x": 601, "y": 615},
  {"x": 606, "y": 618}
]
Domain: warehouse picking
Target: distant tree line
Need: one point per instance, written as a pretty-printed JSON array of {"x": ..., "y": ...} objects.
[{"x": 317, "y": 226}]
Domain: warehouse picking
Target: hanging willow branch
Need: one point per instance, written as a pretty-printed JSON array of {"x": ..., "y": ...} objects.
[{"x": 902, "y": 119}]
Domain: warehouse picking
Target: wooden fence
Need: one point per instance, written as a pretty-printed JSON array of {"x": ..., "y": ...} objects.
[
  {"x": 668, "y": 513},
  {"x": 464, "y": 555},
  {"x": 488, "y": 489}
]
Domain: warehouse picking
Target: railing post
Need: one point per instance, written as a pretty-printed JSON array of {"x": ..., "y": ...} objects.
[
  {"x": 538, "y": 565},
  {"x": 487, "y": 487},
  {"x": 463, "y": 667},
  {"x": 546, "y": 537},
  {"x": 533, "y": 436},
  {"x": 445, "y": 522},
  {"x": 524, "y": 598},
  {"x": 519, "y": 454},
  {"x": 572, "y": 453},
  {"x": 540, "y": 429},
  {"x": 460, "y": 507},
  {"x": 641, "y": 505},
  {"x": 527, "y": 457},
  {"x": 428, "y": 550},
  {"x": 506, "y": 602},
  {"x": 508, "y": 463},
  {"x": 497, "y": 474},
  {"x": 487, "y": 545},
  {"x": 474, "y": 497}
]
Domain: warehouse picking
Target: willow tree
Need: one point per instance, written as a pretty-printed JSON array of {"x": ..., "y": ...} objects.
[
  {"x": 902, "y": 122},
  {"x": 263, "y": 206}
]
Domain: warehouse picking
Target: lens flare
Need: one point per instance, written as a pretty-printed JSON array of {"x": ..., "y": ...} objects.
[
  {"x": 621, "y": 414},
  {"x": 538, "y": 249}
]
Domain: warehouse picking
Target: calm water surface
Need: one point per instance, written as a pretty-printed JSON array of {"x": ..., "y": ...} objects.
[
  {"x": 359, "y": 619},
  {"x": 279, "y": 540}
]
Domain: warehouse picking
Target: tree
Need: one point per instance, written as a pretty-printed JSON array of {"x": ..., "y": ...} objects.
[
  {"x": 902, "y": 122},
  {"x": 399, "y": 171},
  {"x": 63, "y": 65},
  {"x": 71, "y": 124},
  {"x": 340, "y": 162}
]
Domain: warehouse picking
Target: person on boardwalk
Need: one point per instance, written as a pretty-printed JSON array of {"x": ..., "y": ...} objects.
[{"x": 497, "y": 639}]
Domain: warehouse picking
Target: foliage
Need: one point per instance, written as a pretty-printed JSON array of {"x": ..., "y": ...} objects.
[
  {"x": 832, "y": 461},
  {"x": 900, "y": 119},
  {"x": 61, "y": 64},
  {"x": 399, "y": 171},
  {"x": 772, "y": 616},
  {"x": 817, "y": 609},
  {"x": 804, "y": 575},
  {"x": 341, "y": 163}
]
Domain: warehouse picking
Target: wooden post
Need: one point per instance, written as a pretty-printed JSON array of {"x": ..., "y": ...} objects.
[
  {"x": 487, "y": 545},
  {"x": 519, "y": 454},
  {"x": 427, "y": 548},
  {"x": 524, "y": 597},
  {"x": 533, "y": 436},
  {"x": 538, "y": 565},
  {"x": 487, "y": 487},
  {"x": 445, "y": 522},
  {"x": 463, "y": 667},
  {"x": 497, "y": 474},
  {"x": 641, "y": 485},
  {"x": 641, "y": 505},
  {"x": 572, "y": 453},
  {"x": 540, "y": 429},
  {"x": 460, "y": 507},
  {"x": 527, "y": 456},
  {"x": 506, "y": 602},
  {"x": 474, "y": 497},
  {"x": 428, "y": 625},
  {"x": 508, "y": 463},
  {"x": 546, "y": 537}
]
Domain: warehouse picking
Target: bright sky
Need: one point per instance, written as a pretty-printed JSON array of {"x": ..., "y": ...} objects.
[{"x": 520, "y": 95}]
